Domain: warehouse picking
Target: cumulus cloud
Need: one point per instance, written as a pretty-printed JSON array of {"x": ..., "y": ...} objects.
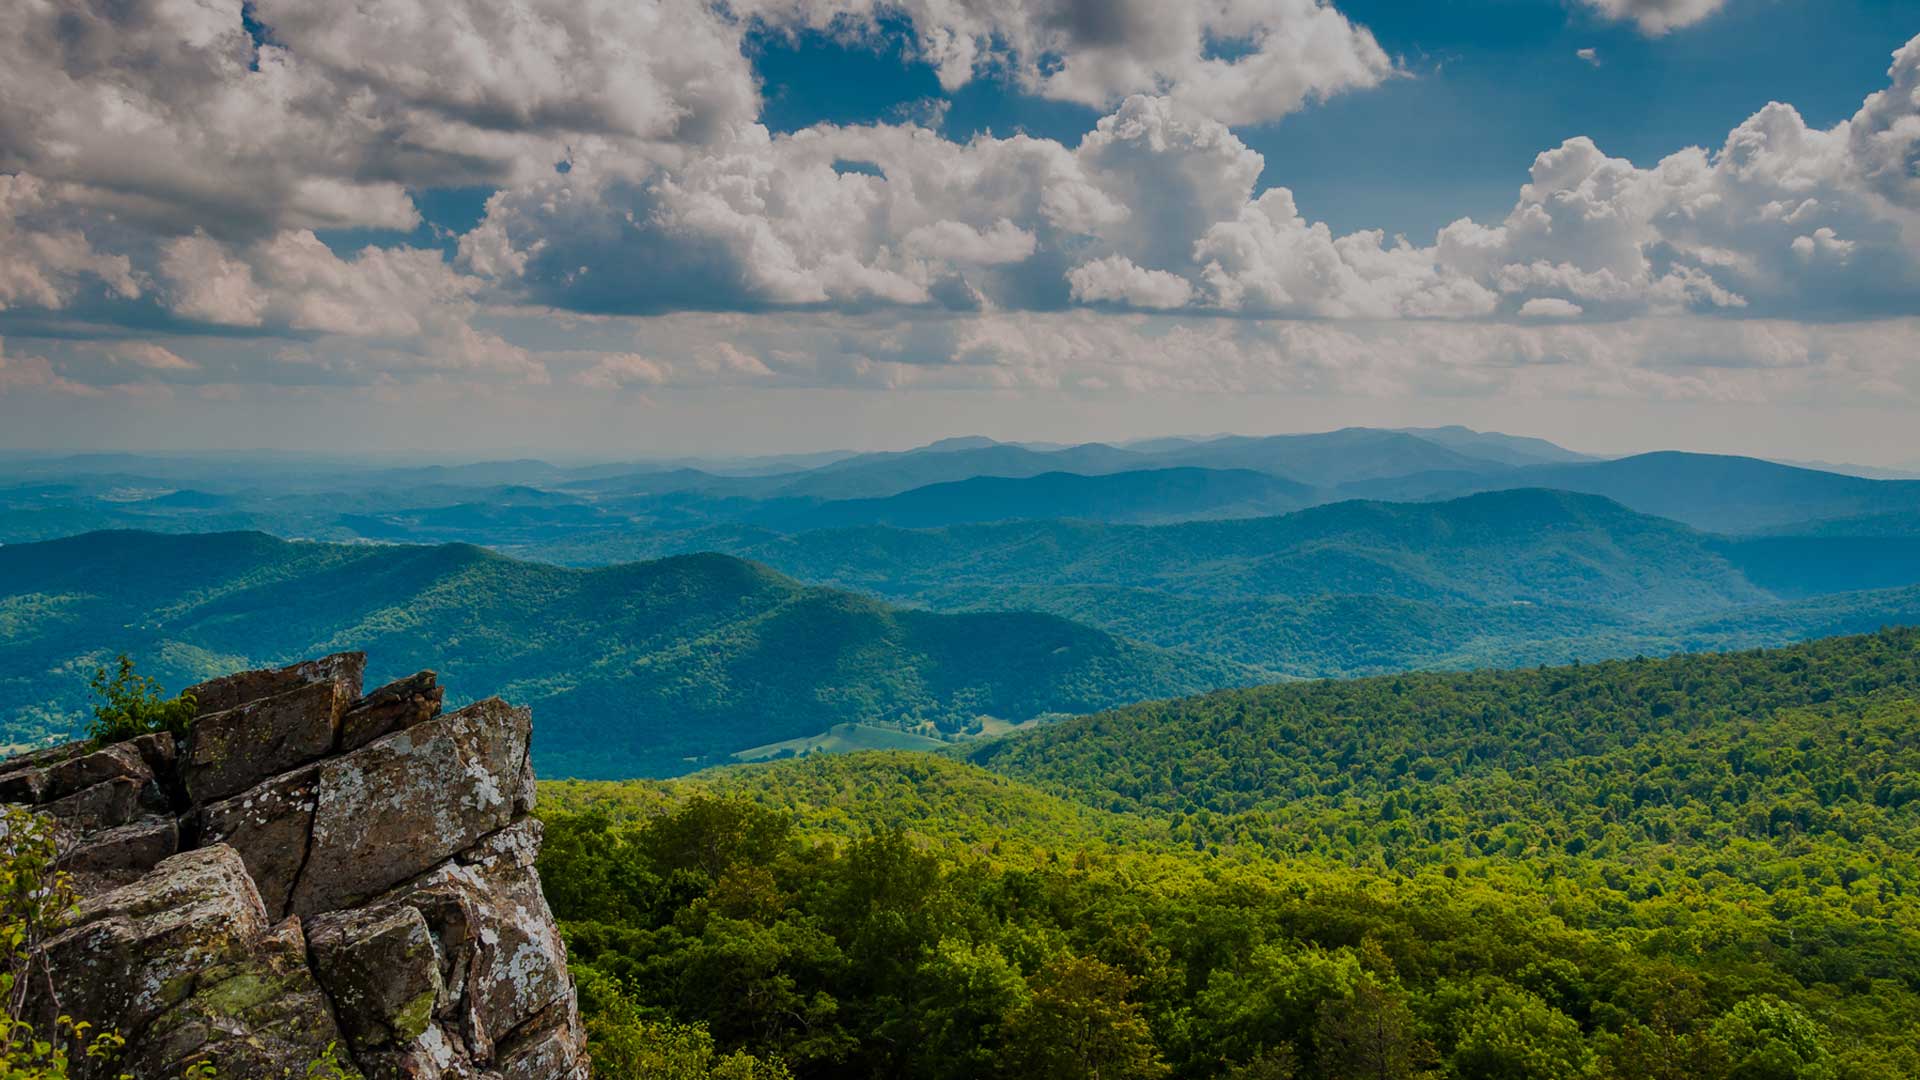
[
  {"x": 163, "y": 110},
  {"x": 1270, "y": 260},
  {"x": 1240, "y": 61},
  {"x": 1550, "y": 307},
  {"x": 1656, "y": 17},
  {"x": 1115, "y": 279},
  {"x": 44, "y": 258},
  {"x": 1157, "y": 207},
  {"x": 21, "y": 374},
  {"x": 673, "y": 199}
]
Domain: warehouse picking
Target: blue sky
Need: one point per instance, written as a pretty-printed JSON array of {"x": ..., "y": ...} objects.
[
  {"x": 613, "y": 226},
  {"x": 1488, "y": 83}
]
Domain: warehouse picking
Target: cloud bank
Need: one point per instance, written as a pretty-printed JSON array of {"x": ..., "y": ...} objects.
[{"x": 177, "y": 173}]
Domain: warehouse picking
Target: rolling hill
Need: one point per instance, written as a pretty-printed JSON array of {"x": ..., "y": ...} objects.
[
  {"x": 1702, "y": 866},
  {"x": 1502, "y": 578},
  {"x": 1525, "y": 546},
  {"x": 644, "y": 669}
]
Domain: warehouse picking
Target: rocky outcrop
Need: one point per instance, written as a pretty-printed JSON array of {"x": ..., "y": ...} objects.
[{"x": 309, "y": 867}]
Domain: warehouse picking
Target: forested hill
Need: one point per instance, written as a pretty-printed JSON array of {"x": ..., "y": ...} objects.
[
  {"x": 1700, "y": 868},
  {"x": 634, "y": 670},
  {"x": 1427, "y": 749},
  {"x": 1522, "y": 545}
]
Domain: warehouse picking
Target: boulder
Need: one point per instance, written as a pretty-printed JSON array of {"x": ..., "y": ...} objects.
[
  {"x": 102, "y": 806},
  {"x": 394, "y": 707},
  {"x": 307, "y": 869},
  {"x": 232, "y": 691},
  {"x": 135, "y": 952},
  {"x": 259, "y": 1014},
  {"x": 269, "y": 826},
  {"x": 119, "y": 855},
  {"x": 121, "y": 760},
  {"x": 551, "y": 1046},
  {"x": 412, "y": 799},
  {"x": 230, "y": 751},
  {"x": 382, "y": 970},
  {"x": 502, "y": 957}
]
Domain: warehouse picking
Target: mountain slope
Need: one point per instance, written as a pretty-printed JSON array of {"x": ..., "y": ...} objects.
[
  {"x": 1501, "y": 547},
  {"x": 1335, "y": 743},
  {"x": 1701, "y": 867},
  {"x": 641, "y": 669},
  {"x": 1496, "y": 446}
]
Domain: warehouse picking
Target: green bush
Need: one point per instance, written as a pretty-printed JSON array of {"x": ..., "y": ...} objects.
[{"x": 132, "y": 704}]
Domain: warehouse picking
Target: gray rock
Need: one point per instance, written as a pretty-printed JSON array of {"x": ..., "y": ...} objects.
[
  {"x": 382, "y": 970},
  {"x": 228, "y": 752},
  {"x": 399, "y": 835},
  {"x": 259, "y": 1014},
  {"x": 552, "y": 1046},
  {"x": 412, "y": 799},
  {"x": 119, "y": 855},
  {"x": 504, "y": 961},
  {"x": 121, "y": 760},
  {"x": 394, "y": 707},
  {"x": 232, "y": 691},
  {"x": 102, "y": 806},
  {"x": 135, "y": 952},
  {"x": 269, "y": 825}
]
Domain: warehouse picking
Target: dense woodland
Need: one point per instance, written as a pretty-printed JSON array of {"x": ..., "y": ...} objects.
[{"x": 1696, "y": 867}]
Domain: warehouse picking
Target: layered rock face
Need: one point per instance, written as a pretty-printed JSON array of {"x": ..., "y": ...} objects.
[{"x": 308, "y": 868}]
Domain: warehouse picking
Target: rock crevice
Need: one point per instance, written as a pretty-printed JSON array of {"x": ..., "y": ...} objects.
[{"x": 309, "y": 867}]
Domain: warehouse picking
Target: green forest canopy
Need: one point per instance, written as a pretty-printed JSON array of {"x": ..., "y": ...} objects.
[{"x": 1696, "y": 867}]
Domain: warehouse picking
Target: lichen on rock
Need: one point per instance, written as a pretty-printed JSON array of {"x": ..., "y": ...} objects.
[{"x": 311, "y": 869}]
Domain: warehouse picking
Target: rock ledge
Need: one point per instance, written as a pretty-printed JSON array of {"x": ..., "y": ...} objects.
[{"x": 309, "y": 867}]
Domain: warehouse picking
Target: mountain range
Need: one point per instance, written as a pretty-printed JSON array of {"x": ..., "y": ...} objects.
[
  {"x": 590, "y": 513},
  {"x": 643, "y": 669},
  {"x": 679, "y": 613}
]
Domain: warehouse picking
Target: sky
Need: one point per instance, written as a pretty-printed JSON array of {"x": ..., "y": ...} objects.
[{"x": 628, "y": 228}]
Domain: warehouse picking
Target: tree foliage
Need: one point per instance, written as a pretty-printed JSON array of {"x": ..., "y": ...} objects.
[
  {"x": 1705, "y": 867},
  {"x": 131, "y": 704}
]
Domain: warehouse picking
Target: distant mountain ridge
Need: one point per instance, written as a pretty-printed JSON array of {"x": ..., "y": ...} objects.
[
  {"x": 1145, "y": 495},
  {"x": 1500, "y": 578},
  {"x": 1709, "y": 491},
  {"x": 953, "y": 481}
]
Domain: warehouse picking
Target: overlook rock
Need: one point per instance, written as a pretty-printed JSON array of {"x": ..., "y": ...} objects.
[{"x": 308, "y": 867}]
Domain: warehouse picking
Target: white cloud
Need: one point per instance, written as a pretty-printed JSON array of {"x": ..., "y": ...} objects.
[
  {"x": 1591, "y": 56},
  {"x": 153, "y": 357},
  {"x": 21, "y": 374},
  {"x": 1656, "y": 17},
  {"x": 1115, "y": 279},
  {"x": 1671, "y": 359},
  {"x": 1270, "y": 260},
  {"x": 44, "y": 259},
  {"x": 1005, "y": 242},
  {"x": 1822, "y": 244},
  {"x": 167, "y": 110},
  {"x": 1157, "y": 192},
  {"x": 1884, "y": 136},
  {"x": 675, "y": 200},
  {"x": 1550, "y": 307},
  {"x": 617, "y": 371},
  {"x": 1239, "y": 61}
]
